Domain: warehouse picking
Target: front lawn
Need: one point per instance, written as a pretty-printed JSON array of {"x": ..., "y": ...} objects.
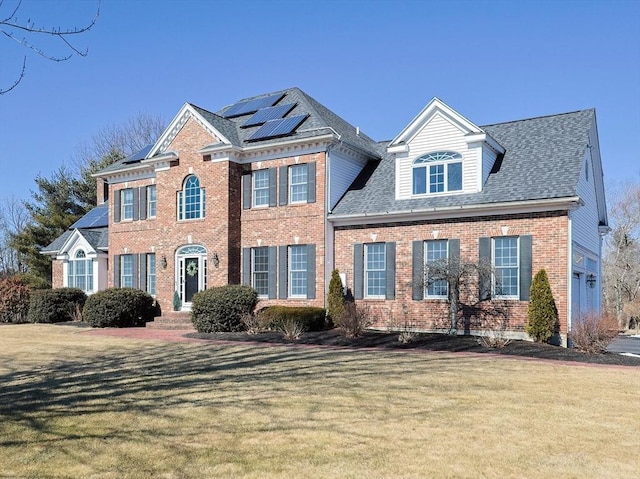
[{"x": 74, "y": 405}]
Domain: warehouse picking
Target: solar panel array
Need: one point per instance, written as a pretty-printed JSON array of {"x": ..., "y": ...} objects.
[
  {"x": 96, "y": 218},
  {"x": 251, "y": 106},
  {"x": 279, "y": 127},
  {"x": 266, "y": 114}
]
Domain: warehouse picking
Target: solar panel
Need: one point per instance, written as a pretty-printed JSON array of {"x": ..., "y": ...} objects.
[
  {"x": 96, "y": 218},
  {"x": 139, "y": 155},
  {"x": 270, "y": 113},
  {"x": 251, "y": 106},
  {"x": 280, "y": 127}
]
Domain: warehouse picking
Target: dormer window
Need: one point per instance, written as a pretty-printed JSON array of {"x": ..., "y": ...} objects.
[{"x": 437, "y": 172}]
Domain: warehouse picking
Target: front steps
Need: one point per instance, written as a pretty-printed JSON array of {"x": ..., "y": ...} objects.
[{"x": 173, "y": 320}]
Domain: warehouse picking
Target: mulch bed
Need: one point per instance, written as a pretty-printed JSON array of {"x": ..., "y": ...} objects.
[{"x": 430, "y": 342}]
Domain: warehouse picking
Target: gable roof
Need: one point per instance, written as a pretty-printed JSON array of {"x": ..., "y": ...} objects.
[
  {"x": 97, "y": 238},
  {"x": 542, "y": 161}
]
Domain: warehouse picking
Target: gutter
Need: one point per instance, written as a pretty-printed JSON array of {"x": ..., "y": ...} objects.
[{"x": 510, "y": 207}]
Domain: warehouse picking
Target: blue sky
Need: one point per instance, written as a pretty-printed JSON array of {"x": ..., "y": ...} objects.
[{"x": 375, "y": 63}]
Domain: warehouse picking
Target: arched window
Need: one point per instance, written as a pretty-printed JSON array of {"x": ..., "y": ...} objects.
[
  {"x": 191, "y": 199},
  {"x": 80, "y": 272},
  {"x": 437, "y": 172}
]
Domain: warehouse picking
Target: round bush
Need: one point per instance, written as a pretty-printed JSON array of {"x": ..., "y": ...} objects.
[
  {"x": 221, "y": 309},
  {"x": 119, "y": 308},
  {"x": 55, "y": 305}
]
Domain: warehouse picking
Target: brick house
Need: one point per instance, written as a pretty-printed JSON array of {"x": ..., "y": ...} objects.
[{"x": 276, "y": 191}]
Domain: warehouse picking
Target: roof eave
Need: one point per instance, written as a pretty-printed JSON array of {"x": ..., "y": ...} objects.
[{"x": 510, "y": 207}]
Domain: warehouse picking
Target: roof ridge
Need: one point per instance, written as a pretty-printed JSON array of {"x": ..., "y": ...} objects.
[{"x": 539, "y": 117}]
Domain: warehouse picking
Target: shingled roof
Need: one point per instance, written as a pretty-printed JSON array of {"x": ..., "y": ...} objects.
[{"x": 543, "y": 160}]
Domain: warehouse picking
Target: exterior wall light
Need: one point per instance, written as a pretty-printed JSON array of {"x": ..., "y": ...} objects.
[
  {"x": 591, "y": 280},
  {"x": 215, "y": 259},
  {"x": 163, "y": 262}
]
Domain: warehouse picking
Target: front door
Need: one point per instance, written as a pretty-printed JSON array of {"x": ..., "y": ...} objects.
[
  {"x": 191, "y": 275},
  {"x": 191, "y": 272}
]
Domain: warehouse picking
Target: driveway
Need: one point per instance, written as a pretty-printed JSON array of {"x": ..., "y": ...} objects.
[{"x": 625, "y": 344}]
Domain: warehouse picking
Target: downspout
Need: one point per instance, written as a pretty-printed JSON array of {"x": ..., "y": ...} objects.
[{"x": 569, "y": 275}]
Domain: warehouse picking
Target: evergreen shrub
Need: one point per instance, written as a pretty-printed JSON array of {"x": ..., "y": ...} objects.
[
  {"x": 14, "y": 300},
  {"x": 55, "y": 305},
  {"x": 119, "y": 308},
  {"x": 221, "y": 309},
  {"x": 309, "y": 318},
  {"x": 542, "y": 312},
  {"x": 335, "y": 298}
]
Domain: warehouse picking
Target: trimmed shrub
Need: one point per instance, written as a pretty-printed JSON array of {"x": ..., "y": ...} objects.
[
  {"x": 592, "y": 333},
  {"x": 335, "y": 298},
  {"x": 119, "y": 308},
  {"x": 55, "y": 305},
  {"x": 221, "y": 309},
  {"x": 355, "y": 319},
  {"x": 14, "y": 300},
  {"x": 309, "y": 318},
  {"x": 542, "y": 312}
]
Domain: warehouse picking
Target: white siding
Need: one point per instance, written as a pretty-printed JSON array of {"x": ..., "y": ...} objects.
[
  {"x": 488, "y": 159},
  {"x": 343, "y": 170},
  {"x": 439, "y": 134}
]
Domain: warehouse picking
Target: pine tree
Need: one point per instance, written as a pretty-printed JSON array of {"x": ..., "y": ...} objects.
[
  {"x": 335, "y": 299},
  {"x": 542, "y": 313}
]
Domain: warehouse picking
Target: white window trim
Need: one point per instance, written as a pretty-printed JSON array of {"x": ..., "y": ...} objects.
[
  {"x": 253, "y": 270},
  {"x": 426, "y": 287},
  {"x": 149, "y": 274},
  {"x": 366, "y": 270},
  {"x": 254, "y": 189},
  {"x": 122, "y": 275},
  {"x": 149, "y": 188},
  {"x": 291, "y": 271},
  {"x": 182, "y": 201},
  {"x": 123, "y": 217},
  {"x": 494, "y": 269},
  {"x": 427, "y": 164},
  {"x": 291, "y": 184}
]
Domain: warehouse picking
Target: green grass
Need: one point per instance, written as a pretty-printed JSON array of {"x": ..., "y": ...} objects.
[{"x": 80, "y": 406}]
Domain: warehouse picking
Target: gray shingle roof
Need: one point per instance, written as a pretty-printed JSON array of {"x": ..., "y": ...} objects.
[
  {"x": 543, "y": 159},
  {"x": 98, "y": 238}
]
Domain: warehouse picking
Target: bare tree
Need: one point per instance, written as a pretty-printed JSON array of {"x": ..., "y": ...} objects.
[
  {"x": 621, "y": 265},
  {"x": 28, "y": 34},
  {"x": 13, "y": 219}
]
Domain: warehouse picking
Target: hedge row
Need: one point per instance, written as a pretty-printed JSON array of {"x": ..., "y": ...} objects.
[
  {"x": 310, "y": 318},
  {"x": 55, "y": 305}
]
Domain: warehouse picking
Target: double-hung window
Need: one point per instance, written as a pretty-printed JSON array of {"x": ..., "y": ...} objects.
[
  {"x": 126, "y": 271},
  {"x": 151, "y": 273},
  {"x": 191, "y": 199},
  {"x": 151, "y": 201},
  {"x": 375, "y": 270},
  {"x": 80, "y": 272},
  {"x": 436, "y": 263},
  {"x": 298, "y": 185},
  {"x": 260, "y": 270},
  {"x": 260, "y": 194},
  {"x": 437, "y": 172},
  {"x": 126, "y": 204},
  {"x": 298, "y": 271},
  {"x": 506, "y": 267}
]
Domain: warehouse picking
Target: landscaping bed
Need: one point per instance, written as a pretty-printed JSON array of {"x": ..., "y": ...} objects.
[{"x": 430, "y": 342}]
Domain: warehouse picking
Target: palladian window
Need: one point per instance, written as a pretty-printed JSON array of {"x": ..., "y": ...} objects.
[{"x": 437, "y": 172}]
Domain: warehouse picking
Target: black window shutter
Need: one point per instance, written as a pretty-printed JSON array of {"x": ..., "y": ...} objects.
[
  {"x": 484, "y": 277},
  {"x": 246, "y": 191},
  {"x": 358, "y": 270},
  {"x": 390, "y": 292},
  {"x": 142, "y": 282},
  {"x": 116, "y": 206},
  {"x": 143, "y": 203},
  {"x": 116, "y": 269},
  {"x": 311, "y": 271},
  {"x": 283, "y": 290},
  {"x": 273, "y": 274},
  {"x": 136, "y": 204},
  {"x": 525, "y": 266},
  {"x": 417, "y": 277},
  {"x": 273, "y": 186},
  {"x": 246, "y": 266},
  {"x": 311, "y": 182},
  {"x": 134, "y": 267},
  {"x": 284, "y": 185}
]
